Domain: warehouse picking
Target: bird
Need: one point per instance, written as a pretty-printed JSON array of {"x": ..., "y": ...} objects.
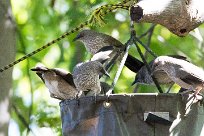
[
  {"x": 183, "y": 73},
  {"x": 104, "y": 47},
  {"x": 94, "y": 41},
  {"x": 86, "y": 77},
  {"x": 179, "y": 71},
  {"x": 143, "y": 76},
  {"x": 59, "y": 82}
]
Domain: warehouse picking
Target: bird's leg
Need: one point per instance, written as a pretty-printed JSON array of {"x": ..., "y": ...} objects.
[
  {"x": 170, "y": 88},
  {"x": 196, "y": 93},
  {"x": 112, "y": 61},
  {"x": 184, "y": 91}
]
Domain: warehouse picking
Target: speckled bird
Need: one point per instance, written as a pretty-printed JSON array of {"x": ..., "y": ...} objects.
[
  {"x": 94, "y": 41},
  {"x": 58, "y": 81},
  {"x": 104, "y": 47},
  {"x": 86, "y": 76}
]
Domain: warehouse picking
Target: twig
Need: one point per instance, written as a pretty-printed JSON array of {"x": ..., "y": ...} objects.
[
  {"x": 145, "y": 46},
  {"x": 170, "y": 88},
  {"x": 150, "y": 33}
]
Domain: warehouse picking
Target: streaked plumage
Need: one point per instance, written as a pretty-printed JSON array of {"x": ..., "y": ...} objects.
[
  {"x": 94, "y": 41},
  {"x": 86, "y": 76},
  {"x": 104, "y": 48}
]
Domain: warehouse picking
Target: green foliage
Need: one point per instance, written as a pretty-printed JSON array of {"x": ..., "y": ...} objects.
[{"x": 39, "y": 22}]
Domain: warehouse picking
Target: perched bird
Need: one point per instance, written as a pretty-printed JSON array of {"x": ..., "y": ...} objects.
[
  {"x": 94, "y": 41},
  {"x": 104, "y": 47},
  {"x": 179, "y": 71},
  {"x": 58, "y": 81},
  {"x": 86, "y": 77},
  {"x": 182, "y": 72},
  {"x": 143, "y": 77},
  {"x": 161, "y": 76}
]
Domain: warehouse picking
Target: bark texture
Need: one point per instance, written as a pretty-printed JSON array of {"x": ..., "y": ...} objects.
[{"x": 7, "y": 51}]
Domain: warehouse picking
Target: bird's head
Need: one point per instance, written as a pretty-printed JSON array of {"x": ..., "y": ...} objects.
[
  {"x": 143, "y": 77},
  {"x": 159, "y": 63},
  {"x": 139, "y": 78},
  {"x": 84, "y": 35},
  {"x": 39, "y": 69}
]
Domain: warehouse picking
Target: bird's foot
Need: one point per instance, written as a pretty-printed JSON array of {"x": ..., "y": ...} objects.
[
  {"x": 77, "y": 97},
  {"x": 185, "y": 93},
  {"x": 198, "y": 96}
]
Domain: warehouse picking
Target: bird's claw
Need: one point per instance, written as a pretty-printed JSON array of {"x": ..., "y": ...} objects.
[{"x": 198, "y": 96}]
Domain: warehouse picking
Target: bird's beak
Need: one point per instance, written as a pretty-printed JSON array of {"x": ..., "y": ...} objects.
[
  {"x": 105, "y": 72},
  {"x": 76, "y": 38},
  {"x": 35, "y": 69},
  {"x": 39, "y": 69}
]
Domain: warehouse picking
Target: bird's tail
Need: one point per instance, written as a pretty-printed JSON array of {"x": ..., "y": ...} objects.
[{"x": 133, "y": 63}]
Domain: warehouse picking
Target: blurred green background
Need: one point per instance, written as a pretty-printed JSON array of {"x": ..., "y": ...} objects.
[{"x": 40, "y": 21}]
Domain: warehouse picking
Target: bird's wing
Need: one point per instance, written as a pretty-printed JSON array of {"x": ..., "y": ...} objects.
[
  {"x": 188, "y": 77},
  {"x": 114, "y": 42},
  {"x": 103, "y": 54},
  {"x": 133, "y": 63},
  {"x": 179, "y": 57},
  {"x": 65, "y": 75},
  {"x": 106, "y": 48}
]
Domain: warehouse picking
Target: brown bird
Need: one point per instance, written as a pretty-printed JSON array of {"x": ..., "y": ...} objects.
[
  {"x": 58, "y": 81},
  {"x": 161, "y": 76},
  {"x": 94, "y": 41},
  {"x": 179, "y": 71},
  {"x": 104, "y": 47},
  {"x": 86, "y": 77},
  {"x": 183, "y": 73},
  {"x": 143, "y": 77}
]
